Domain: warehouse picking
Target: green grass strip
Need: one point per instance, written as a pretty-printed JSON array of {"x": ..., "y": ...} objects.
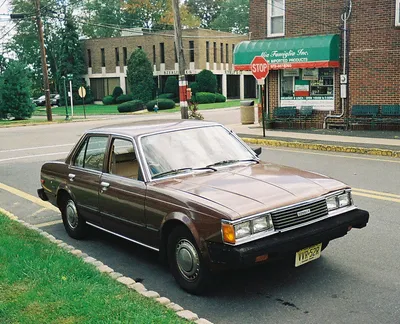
[{"x": 42, "y": 283}]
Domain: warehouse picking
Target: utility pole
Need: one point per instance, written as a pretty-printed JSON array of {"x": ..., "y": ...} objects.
[
  {"x": 44, "y": 63},
  {"x": 181, "y": 60}
]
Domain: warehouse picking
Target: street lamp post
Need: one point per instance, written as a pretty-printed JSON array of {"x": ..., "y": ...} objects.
[{"x": 65, "y": 99}]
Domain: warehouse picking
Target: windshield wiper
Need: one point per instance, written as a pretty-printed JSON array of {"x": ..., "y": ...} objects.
[
  {"x": 174, "y": 171},
  {"x": 231, "y": 162}
]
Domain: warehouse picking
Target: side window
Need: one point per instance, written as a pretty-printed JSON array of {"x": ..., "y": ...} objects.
[
  {"x": 91, "y": 154},
  {"x": 123, "y": 160}
]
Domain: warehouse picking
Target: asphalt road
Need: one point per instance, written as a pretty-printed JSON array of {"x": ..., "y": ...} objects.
[{"x": 356, "y": 280}]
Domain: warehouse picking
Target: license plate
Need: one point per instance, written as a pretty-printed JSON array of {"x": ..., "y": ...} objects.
[{"x": 308, "y": 254}]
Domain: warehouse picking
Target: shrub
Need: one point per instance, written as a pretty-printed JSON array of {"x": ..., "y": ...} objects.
[
  {"x": 172, "y": 85},
  {"x": 123, "y": 98},
  {"x": 162, "y": 104},
  {"x": 205, "y": 97},
  {"x": 207, "y": 81},
  {"x": 195, "y": 87},
  {"x": 108, "y": 100},
  {"x": 220, "y": 97},
  {"x": 167, "y": 96},
  {"x": 117, "y": 92},
  {"x": 131, "y": 106}
]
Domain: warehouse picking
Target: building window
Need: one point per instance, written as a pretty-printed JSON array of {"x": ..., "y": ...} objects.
[
  {"x": 207, "y": 51},
  {"x": 215, "y": 52},
  {"x": 116, "y": 56},
  {"x": 233, "y": 50},
  {"x": 227, "y": 53},
  {"x": 162, "y": 54},
  {"x": 176, "y": 55},
  {"x": 397, "y": 22},
  {"x": 154, "y": 54},
  {"x": 89, "y": 58},
  {"x": 276, "y": 18},
  {"x": 125, "y": 53},
  {"x": 191, "y": 50},
  {"x": 103, "y": 58},
  {"x": 139, "y": 47},
  {"x": 222, "y": 52}
]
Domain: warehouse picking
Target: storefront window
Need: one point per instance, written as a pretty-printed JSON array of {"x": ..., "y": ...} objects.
[{"x": 313, "y": 87}]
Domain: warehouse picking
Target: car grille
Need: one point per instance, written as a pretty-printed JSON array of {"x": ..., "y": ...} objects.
[{"x": 299, "y": 214}]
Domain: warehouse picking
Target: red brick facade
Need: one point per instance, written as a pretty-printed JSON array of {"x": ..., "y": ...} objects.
[{"x": 373, "y": 47}]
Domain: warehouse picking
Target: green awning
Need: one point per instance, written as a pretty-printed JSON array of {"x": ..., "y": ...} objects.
[{"x": 290, "y": 53}]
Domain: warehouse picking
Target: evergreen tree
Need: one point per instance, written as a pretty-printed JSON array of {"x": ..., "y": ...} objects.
[
  {"x": 15, "y": 92},
  {"x": 140, "y": 76},
  {"x": 206, "y": 81},
  {"x": 171, "y": 85}
]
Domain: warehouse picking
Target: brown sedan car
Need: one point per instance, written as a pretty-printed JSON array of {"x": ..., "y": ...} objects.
[{"x": 196, "y": 193}]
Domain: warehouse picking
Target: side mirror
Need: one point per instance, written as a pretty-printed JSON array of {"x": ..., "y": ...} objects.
[{"x": 257, "y": 151}]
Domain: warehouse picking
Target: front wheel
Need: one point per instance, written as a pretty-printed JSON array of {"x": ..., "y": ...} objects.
[
  {"x": 74, "y": 224},
  {"x": 185, "y": 261}
]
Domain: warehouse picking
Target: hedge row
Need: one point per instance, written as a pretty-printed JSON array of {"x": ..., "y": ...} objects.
[
  {"x": 208, "y": 97},
  {"x": 110, "y": 100},
  {"x": 131, "y": 106}
]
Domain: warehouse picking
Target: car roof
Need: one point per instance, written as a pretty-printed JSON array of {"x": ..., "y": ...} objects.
[{"x": 135, "y": 129}]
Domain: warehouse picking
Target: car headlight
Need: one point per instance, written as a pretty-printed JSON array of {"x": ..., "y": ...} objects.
[
  {"x": 242, "y": 230},
  {"x": 262, "y": 224},
  {"x": 338, "y": 201}
]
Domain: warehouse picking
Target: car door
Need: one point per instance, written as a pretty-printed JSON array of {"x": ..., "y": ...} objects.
[
  {"x": 84, "y": 175},
  {"x": 123, "y": 192}
]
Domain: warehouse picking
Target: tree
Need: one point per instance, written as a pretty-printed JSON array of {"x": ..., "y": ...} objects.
[
  {"x": 15, "y": 92},
  {"x": 171, "y": 85},
  {"x": 140, "y": 76},
  {"x": 148, "y": 12},
  {"x": 206, "y": 10},
  {"x": 206, "y": 81},
  {"x": 233, "y": 17}
]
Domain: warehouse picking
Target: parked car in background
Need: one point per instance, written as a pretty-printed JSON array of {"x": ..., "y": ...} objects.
[
  {"x": 195, "y": 192},
  {"x": 54, "y": 100}
]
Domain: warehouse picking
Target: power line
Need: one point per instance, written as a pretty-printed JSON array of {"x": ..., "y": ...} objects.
[{"x": 3, "y": 3}]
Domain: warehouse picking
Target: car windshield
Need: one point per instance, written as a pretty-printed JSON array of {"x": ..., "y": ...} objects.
[{"x": 185, "y": 150}]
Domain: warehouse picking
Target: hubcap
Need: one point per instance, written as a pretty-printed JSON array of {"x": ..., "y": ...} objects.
[
  {"x": 72, "y": 214},
  {"x": 187, "y": 259}
]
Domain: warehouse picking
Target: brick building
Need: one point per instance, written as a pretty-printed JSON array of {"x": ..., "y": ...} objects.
[
  {"x": 106, "y": 60},
  {"x": 303, "y": 41}
]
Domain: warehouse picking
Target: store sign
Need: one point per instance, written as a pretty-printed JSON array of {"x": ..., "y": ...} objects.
[
  {"x": 310, "y": 74},
  {"x": 323, "y": 103},
  {"x": 291, "y": 72}
]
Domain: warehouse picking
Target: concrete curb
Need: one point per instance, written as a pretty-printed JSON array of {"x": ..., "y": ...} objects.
[
  {"x": 323, "y": 147},
  {"x": 118, "y": 277}
]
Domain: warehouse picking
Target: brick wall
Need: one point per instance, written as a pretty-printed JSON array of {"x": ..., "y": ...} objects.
[{"x": 374, "y": 46}]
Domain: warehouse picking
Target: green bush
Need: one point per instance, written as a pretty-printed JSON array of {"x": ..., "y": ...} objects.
[
  {"x": 172, "y": 85},
  {"x": 205, "y": 97},
  {"x": 195, "y": 87},
  {"x": 123, "y": 98},
  {"x": 167, "y": 96},
  {"x": 131, "y": 106},
  {"x": 207, "y": 81},
  {"x": 117, "y": 92},
  {"x": 220, "y": 97},
  {"x": 162, "y": 104},
  {"x": 108, "y": 100}
]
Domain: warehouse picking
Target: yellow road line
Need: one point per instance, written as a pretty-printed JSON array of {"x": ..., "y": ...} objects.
[
  {"x": 376, "y": 193},
  {"x": 355, "y": 193},
  {"x": 29, "y": 197},
  {"x": 333, "y": 154},
  {"x": 39, "y": 211},
  {"x": 8, "y": 214},
  {"x": 49, "y": 223}
]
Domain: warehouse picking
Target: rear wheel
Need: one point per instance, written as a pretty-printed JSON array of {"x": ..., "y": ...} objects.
[
  {"x": 186, "y": 262},
  {"x": 74, "y": 224}
]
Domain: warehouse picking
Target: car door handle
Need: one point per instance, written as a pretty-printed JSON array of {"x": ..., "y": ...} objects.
[
  {"x": 104, "y": 185},
  {"x": 71, "y": 176}
]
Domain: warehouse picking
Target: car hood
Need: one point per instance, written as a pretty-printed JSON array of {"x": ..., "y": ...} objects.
[{"x": 251, "y": 189}]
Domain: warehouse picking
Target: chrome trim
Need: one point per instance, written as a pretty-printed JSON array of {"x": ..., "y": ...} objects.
[
  {"x": 124, "y": 237},
  {"x": 263, "y": 234}
]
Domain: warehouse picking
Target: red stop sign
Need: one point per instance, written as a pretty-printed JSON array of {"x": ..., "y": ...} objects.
[{"x": 259, "y": 67}]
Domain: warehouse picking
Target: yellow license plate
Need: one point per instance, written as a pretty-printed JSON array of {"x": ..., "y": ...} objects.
[{"x": 308, "y": 254}]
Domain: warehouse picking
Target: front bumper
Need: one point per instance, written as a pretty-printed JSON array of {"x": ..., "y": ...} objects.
[{"x": 285, "y": 243}]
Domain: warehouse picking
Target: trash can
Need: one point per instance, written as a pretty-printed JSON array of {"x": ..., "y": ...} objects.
[{"x": 247, "y": 115}]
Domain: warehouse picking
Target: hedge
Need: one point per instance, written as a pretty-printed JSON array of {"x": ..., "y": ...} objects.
[
  {"x": 108, "y": 100},
  {"x": 205, "y": 97},
  {"x": 219, "y": 97},
  {"x": 123, "y": 98},
  {"x": 162, "y": 104},
  {"x": 130, "y": 106},
  {"x": 167, "y": 95}
]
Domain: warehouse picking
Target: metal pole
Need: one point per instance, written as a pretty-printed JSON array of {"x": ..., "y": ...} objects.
[
  {"x": 44, "y": 63},
  {"x": 65, "y": 99},
  {"x": 181, "y": 60},
  {"x": 72, "y": 103}
]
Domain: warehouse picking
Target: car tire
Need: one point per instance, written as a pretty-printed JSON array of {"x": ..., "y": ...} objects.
[
  {"x": 74, "y": 224},
  {"x": 186, "y": 262}
]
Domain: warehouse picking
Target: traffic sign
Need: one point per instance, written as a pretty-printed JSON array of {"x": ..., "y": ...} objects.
[
  {"x": 259, "y": 67},
  {"x": 82, "y": 92},
  {"x": 70, "y": 77}
]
